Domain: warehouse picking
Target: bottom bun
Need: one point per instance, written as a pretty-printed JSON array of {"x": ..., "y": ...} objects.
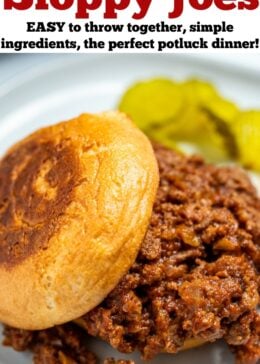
[{"x": 192, "y": 343}]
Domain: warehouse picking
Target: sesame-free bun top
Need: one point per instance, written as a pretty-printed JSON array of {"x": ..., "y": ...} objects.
[{"x": 75, "y": 203}]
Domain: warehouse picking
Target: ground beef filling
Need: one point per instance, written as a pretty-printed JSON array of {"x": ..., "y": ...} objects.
[{"x": 196, "y": 275}]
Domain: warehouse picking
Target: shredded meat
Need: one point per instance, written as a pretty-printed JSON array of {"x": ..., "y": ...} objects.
[
  {"x": 63, "y": 344},
  {"x": 196, "y": 275}
]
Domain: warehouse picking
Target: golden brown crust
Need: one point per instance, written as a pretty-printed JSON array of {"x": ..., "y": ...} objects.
[
  {"x": 75, "y": 202},
  {"x": 34, "y": 193}
]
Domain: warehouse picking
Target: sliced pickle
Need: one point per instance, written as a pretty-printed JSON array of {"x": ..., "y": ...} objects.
[
  {"x": 198, "y": 126},
  {"x": 152, "y": 102},
  {"x": 205, "y": 96},
  {"x": 223, "y": 109},
  {"x": 159, "y": 135},
  {"x": 194, "y": 113},
  {"x": 224, "y": 129},
  {"x": 198, "y": 92},
  {"x": 198, "y": 129},
  {"x": 246, "y": 129},
  {"x": 220, "y": 113}
]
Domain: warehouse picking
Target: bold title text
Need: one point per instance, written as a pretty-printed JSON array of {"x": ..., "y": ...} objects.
[{"x": 84, "y": 8}]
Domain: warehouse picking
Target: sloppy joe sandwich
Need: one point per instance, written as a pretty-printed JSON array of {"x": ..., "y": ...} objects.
[{"x": 102, "y": 232}]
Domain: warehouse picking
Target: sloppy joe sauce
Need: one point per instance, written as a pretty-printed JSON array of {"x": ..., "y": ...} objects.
[{"x": 196, "y": 275}]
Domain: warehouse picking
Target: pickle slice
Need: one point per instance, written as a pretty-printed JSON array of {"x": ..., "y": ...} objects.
[
  {"x": 223, "y": 109},
  {"x": 198, "y": 126},
  {"x": 206, "y": 96},
  {"x": 224, "y": 129},
  {"x": 152, "y": 102},
  {"x": 194, "y": 113},
  {"x": 212, "y": 116},
  {"x": 197, "y": 129},
  {"x": 246, "y": 129},
  {"x": 161, "y": 136},
  {"x": 198, "y": 92}
]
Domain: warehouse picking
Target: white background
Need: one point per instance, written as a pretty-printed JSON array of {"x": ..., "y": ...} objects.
[{"x": 12, "y": 65}]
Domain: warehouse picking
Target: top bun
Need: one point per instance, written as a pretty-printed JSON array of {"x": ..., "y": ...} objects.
[{"x": 75, "y": 203}]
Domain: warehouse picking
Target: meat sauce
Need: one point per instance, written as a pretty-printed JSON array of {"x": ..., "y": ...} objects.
[{"x": 195, "y": 277}]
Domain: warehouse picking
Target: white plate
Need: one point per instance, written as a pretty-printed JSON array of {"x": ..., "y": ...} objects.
[{"x": 69, "y": 85}]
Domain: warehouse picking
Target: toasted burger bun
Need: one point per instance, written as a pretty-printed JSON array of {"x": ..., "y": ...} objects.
[{"x": 75, "y": 203}]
